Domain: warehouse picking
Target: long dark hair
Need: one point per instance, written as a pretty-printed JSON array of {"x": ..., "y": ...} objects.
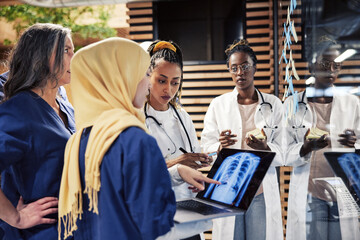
[
  {"x": 170, "y": 52},
  {"x": 29, "y": 61},
  {"x": 240, "y": 46}
]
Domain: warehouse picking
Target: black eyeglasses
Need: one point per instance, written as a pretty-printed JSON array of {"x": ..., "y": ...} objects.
[
  {"x": 326, "y": 65},
  {"x": 244, "y": 68}
]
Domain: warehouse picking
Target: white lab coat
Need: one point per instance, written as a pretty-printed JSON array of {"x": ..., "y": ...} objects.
[
  {"x": 223, "y": 113},
  {"x": 345, "y": 114},
  {"x": 182, "y": 230},
  {"x": 180, "y": 187}
]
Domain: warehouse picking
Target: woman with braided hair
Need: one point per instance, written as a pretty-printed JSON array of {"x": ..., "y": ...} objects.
[
  {"x": 170, "y": 124},
  {"x": 247, "y": 119}
]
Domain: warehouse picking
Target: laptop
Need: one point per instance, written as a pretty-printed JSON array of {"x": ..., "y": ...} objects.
[
  {"x": 346, "y": 184},
  {"x": 240, "y": 173}
]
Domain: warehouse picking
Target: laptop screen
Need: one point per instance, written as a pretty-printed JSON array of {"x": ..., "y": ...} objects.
[
  {"x": 346, "y": 165},
  {"x": 240, "y": 173}
]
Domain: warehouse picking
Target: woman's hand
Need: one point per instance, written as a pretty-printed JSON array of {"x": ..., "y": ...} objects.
[
  {"x": 27, "y": 215},
  {"x": 348, "y": 138},
  {"x": 226, "y": 139},
  {"x": 193, "y": 160},
  {"x": 34, "y": 213},
  {"x": 195, "y": 178},
  {"x": 312, "y": 145},
  {"x": 258, "y": 144}
]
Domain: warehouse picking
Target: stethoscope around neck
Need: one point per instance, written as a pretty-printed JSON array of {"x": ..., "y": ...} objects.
[
  {"x": 263, "y": 105},
  {"x": 160, "y": 125},
  {"x": 302, "y": 103}
]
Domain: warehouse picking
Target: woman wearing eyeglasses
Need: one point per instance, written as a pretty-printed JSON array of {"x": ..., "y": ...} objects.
[
  {"x": 247, "y": 119},
  {"x": 326, "y": 118}
]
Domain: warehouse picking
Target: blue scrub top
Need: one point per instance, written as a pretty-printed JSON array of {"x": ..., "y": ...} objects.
[
  {"x": 135, "y": 199},
  {"x": 32, "y": 145}
]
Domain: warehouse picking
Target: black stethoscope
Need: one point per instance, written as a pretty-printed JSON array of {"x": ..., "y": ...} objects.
[
  {"x": 159, "y": 124},
  {"x": 263, "y": 103}
]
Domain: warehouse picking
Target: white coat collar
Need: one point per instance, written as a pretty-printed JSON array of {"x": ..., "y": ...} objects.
[{"x": 235, "y": 93}]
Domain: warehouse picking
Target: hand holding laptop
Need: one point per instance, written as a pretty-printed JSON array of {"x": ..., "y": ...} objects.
[{"x": 195, "y": 178}]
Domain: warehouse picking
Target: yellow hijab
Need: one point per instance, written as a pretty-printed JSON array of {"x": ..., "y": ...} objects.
[{"x": 104, "y": 76}]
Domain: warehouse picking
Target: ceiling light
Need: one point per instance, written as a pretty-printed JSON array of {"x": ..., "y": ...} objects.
[{"x": 345, "y": 55}]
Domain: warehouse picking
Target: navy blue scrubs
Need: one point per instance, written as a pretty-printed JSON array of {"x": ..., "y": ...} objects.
[
  {"x": 32, "y": 145},
  {"x": 135, "y": 200}
]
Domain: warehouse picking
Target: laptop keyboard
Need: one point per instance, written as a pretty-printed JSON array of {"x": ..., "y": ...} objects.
[{"x": 199, "y": 207}]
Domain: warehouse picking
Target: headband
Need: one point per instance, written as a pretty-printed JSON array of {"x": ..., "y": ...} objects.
[{"x": 163, "y": 45}]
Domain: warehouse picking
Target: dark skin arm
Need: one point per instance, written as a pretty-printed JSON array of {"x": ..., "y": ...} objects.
[
  {"x": 189, "y": 159},
  {"x": 312, "y": 145},
  {"x": 227, "y": 139},
  {"x": 258, "y": 144},
  {"x": 348, "y": 138}
]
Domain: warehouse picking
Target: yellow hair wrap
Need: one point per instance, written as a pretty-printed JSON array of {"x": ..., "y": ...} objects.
[{"x": 162, "y": 45}]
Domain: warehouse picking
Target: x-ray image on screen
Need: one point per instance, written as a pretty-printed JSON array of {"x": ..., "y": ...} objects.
[
  {"x": 234, "y": 174},
  {"x": 350, "y": 163}
]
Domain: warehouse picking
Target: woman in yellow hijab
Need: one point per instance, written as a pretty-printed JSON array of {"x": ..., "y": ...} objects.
[{"x": 112, "y": 149}]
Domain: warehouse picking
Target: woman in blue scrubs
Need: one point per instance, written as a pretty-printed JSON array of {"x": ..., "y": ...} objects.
[
  {"x": 111, "y": 148},
  {"x": 35, "y": 124},
  {"x": 115, "y": 183}
]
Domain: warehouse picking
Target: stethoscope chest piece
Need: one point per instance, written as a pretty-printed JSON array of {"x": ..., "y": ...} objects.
[{"x": 178, "y": 118}]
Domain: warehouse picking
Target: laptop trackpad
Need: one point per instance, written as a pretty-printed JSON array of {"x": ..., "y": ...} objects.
[
  {"x": 194, "y": 210},
  {"x": 199, "y": 207}
]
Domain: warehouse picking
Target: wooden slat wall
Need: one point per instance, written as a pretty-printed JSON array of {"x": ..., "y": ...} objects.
[
  {"x": 140, "y": 21},
  {"x": 259, "y": 33},
  {"x": 284, "y": 183}
]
